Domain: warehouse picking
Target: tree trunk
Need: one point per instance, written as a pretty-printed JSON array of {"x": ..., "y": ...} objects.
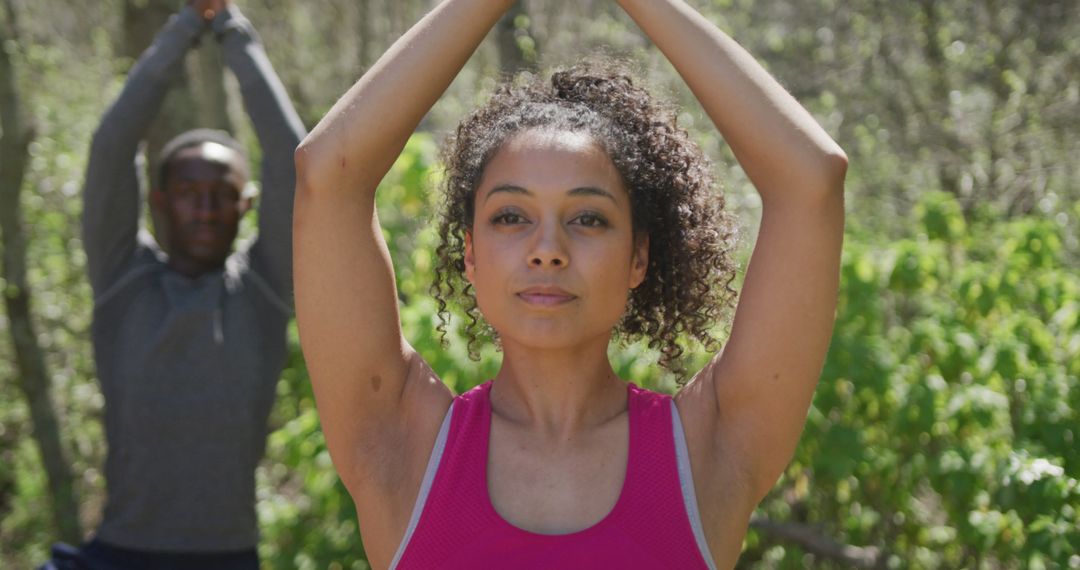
[
  {"x": 517, "y": 46},
  {"x": 940, "y": 88},
  {"x": 142, "y": 20},
  {"x": 209, "y": 87},
  {"x": 364, "y": 32},
  {"x": 33, "y": 376},
  {"x": 372, "y": 31}
]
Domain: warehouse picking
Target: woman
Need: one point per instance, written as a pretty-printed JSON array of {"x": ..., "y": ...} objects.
[{"x": 563, "y": 218}]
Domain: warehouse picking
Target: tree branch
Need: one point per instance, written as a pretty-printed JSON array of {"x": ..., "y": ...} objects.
[{"x": 813, "y": 541}]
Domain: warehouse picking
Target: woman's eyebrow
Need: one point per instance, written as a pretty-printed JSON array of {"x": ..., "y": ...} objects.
[
  {"x": 592, "y": 191},
  {"x": 582, "y": 191},
  {"x": 510, "y": 188}
]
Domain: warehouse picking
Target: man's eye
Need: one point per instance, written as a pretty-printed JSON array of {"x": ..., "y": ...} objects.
[
  {"x": 229, "y": 196},
  {"x": 226, "y": 193}
]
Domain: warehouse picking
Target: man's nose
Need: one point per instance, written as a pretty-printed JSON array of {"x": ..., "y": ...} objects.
[{"x": 207, "y": 204}]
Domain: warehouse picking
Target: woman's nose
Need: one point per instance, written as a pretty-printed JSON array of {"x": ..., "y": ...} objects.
[{"x": 549, "y": 249}]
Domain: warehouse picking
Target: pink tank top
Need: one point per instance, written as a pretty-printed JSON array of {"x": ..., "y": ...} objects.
[{"x": 456, "y": 526}]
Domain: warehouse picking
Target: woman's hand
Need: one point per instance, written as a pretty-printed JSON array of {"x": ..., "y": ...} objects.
[{"x": 208, "y": 8}]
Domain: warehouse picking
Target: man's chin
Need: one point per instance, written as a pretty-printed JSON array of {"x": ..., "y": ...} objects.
[
  {"x": 210, "y": 257},
  {"x": 215, "y": 260}
]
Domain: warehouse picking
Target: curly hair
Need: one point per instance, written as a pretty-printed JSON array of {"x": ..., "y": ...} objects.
[{"x": 687, "y": 287}]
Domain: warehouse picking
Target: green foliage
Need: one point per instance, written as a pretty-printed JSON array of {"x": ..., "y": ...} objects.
[
  {"x": 305, "y": 513},
  {"x": 944, "y": 428}
]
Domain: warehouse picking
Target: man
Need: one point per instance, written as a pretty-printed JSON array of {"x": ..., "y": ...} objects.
[{"x": 189, "y": 337}]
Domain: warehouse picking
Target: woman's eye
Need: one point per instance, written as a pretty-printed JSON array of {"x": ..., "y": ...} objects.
[
  {"x": 508, "y": 218},
  {"x": 591, "y": 221}
]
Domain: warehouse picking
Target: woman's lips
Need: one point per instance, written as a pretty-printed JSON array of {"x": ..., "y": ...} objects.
[{"x": 546, "y": 297}]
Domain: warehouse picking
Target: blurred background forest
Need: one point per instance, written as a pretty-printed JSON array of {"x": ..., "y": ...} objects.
[{"x": 944, "y": 433}]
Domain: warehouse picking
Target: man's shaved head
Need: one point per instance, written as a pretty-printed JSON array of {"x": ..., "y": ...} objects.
[{"x": 220, "y": 142}]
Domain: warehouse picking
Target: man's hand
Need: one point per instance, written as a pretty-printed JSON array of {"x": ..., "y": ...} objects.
[{"x": 208, "y": 8}]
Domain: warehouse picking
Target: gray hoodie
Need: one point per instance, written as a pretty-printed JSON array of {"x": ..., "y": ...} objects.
[{"x": 188, "y": 367}]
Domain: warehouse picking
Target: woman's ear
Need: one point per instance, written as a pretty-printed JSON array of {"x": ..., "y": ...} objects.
[
  {"x": 470, "y": 261},
  {"x": 639, "y": 264}
]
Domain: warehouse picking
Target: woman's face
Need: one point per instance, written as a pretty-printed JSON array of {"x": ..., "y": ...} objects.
[{"x": 551, "y": 254}]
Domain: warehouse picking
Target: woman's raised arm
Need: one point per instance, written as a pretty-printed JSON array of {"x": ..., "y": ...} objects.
[
  {"x": 750, "y": 403},
  {"x": 373, "y": 392}
]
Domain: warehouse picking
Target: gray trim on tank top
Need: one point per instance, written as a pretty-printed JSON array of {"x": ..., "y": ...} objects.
[
  {"x": 425, "y": 485},
  {"x": 686, "y": 482},
  {"x": 682, "y": 458}
]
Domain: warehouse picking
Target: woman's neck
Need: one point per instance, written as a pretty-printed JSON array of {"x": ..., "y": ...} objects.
[{"x": 559, "y": 392}]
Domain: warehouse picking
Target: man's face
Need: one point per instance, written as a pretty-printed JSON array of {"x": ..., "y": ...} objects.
[{"x": 201, "y": 204}]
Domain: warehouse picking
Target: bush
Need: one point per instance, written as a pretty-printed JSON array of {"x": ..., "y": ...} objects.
[{"x": 944, "y": 428}]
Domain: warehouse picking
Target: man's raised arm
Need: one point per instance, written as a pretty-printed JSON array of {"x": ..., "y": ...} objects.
[
  {"x": 111, "y": 203},
  {"x": 279, "y": 130}
]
